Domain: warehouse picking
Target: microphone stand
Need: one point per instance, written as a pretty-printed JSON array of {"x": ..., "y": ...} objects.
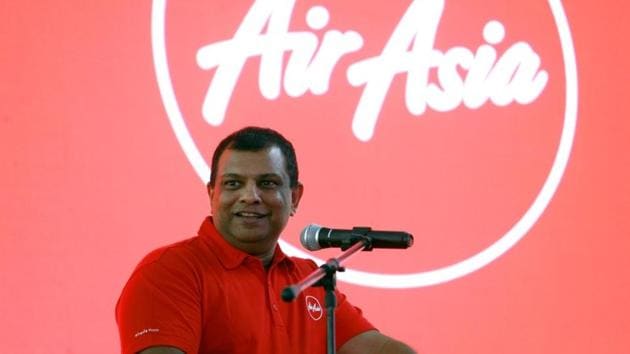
[{"x": 325, "y": 276}]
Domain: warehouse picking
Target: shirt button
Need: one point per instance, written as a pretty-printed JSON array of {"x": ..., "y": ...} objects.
[{"x": 275, "y": 307}]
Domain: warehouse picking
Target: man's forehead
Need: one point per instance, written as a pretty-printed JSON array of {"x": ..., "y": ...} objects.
[{"x": 269, "y": 161}]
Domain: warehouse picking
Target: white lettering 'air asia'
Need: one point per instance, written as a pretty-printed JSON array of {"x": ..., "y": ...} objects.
[
  {"x": 313, "y": 307},
  {"x": 515, "y": 76}
]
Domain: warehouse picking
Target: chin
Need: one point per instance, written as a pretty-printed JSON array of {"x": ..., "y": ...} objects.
[
  {"x": 250, "y": 235},
  {"x": 251, "y": 238}
]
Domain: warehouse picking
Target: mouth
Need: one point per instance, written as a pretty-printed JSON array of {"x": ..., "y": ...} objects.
[{"x": 250, "y": 215}]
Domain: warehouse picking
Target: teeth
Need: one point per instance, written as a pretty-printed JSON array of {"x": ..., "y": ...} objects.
[{"x": 248, "y": 214}]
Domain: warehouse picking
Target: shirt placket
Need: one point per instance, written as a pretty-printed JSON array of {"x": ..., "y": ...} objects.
[{"x": 273, "y": 297}]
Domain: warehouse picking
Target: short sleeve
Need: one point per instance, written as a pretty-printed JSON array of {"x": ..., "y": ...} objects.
[
  {"x": 160, "y": 306},
  {"x": 349, "y": 321}
]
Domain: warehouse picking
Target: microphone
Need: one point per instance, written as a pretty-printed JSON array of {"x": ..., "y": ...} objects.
[{"x": 315, "y": 237}]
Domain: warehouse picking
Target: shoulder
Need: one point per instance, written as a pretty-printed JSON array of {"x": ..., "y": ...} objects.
[
  {"x": 184, "y": 262},
  {"x": 303, "y": 263},
  {"x": 188, "y": 253}
]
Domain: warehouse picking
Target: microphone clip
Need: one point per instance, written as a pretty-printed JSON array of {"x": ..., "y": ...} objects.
[{"x": 359, "y": 234}]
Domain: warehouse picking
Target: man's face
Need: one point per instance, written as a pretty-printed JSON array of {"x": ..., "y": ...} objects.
[{"x": 252, "y": 199}]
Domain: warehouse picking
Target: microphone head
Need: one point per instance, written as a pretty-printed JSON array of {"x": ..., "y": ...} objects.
[{"x": 309, "y": 237}]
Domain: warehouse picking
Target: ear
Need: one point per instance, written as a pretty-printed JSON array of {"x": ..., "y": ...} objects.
[
  {"x": 296, "y": 195},
  {"x": 210, "y": 190}
]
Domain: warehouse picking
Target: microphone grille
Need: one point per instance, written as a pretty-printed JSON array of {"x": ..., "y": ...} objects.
[{"x": 309, "y": 236}]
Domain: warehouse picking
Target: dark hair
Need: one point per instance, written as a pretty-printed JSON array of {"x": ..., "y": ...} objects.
[{"x": 255, "y": 139}]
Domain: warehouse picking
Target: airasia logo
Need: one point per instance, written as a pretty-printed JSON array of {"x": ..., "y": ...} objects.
[
  {"x": 264, "y": 53},
  {"x": 314, "y": 308},
  {"x": 264, "y": 33}
]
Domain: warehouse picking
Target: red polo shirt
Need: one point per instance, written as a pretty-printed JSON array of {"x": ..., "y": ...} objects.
[{"x": 204, "y": 296}]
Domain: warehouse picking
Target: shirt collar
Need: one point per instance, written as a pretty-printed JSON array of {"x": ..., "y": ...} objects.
[{"x": 230, "y": 256}]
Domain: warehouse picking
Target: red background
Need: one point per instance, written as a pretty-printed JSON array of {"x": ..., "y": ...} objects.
[{"x": 93, "y": 178}]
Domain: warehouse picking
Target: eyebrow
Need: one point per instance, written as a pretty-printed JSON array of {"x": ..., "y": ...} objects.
[{"x": 264, "y": 175}]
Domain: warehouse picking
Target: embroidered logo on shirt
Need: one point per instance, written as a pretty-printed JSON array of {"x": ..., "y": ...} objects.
[
  {"x": 145, "y": 331},
  {"x": 313, "y": 308}
]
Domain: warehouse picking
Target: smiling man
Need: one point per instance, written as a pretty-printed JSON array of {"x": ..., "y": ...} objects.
[{"x": 219, "y": 292}]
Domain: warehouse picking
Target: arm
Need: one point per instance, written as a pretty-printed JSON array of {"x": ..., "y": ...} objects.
[
  {"x": 373, "y": 342},
  {"x": 159, "y": 307},
  {"x": 161, "y": 350}
]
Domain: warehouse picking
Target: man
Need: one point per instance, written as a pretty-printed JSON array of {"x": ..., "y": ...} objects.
[{"x": 219, "y": 292}]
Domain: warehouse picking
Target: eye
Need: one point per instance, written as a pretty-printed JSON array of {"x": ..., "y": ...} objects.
[
  {"x": 231, "y": 184},
  {"x": 269, "y": 184}
]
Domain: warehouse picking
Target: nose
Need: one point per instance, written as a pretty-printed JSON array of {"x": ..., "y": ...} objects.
[{"x": 250, "y": 194}]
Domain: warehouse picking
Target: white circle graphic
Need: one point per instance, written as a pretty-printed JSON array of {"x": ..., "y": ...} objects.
[
  {"x": 313, "y": 307},
  {"x": 410, "y": 280}
]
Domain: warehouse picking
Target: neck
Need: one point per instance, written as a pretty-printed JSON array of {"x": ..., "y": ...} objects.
[{"x": 267, "y": 258}]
